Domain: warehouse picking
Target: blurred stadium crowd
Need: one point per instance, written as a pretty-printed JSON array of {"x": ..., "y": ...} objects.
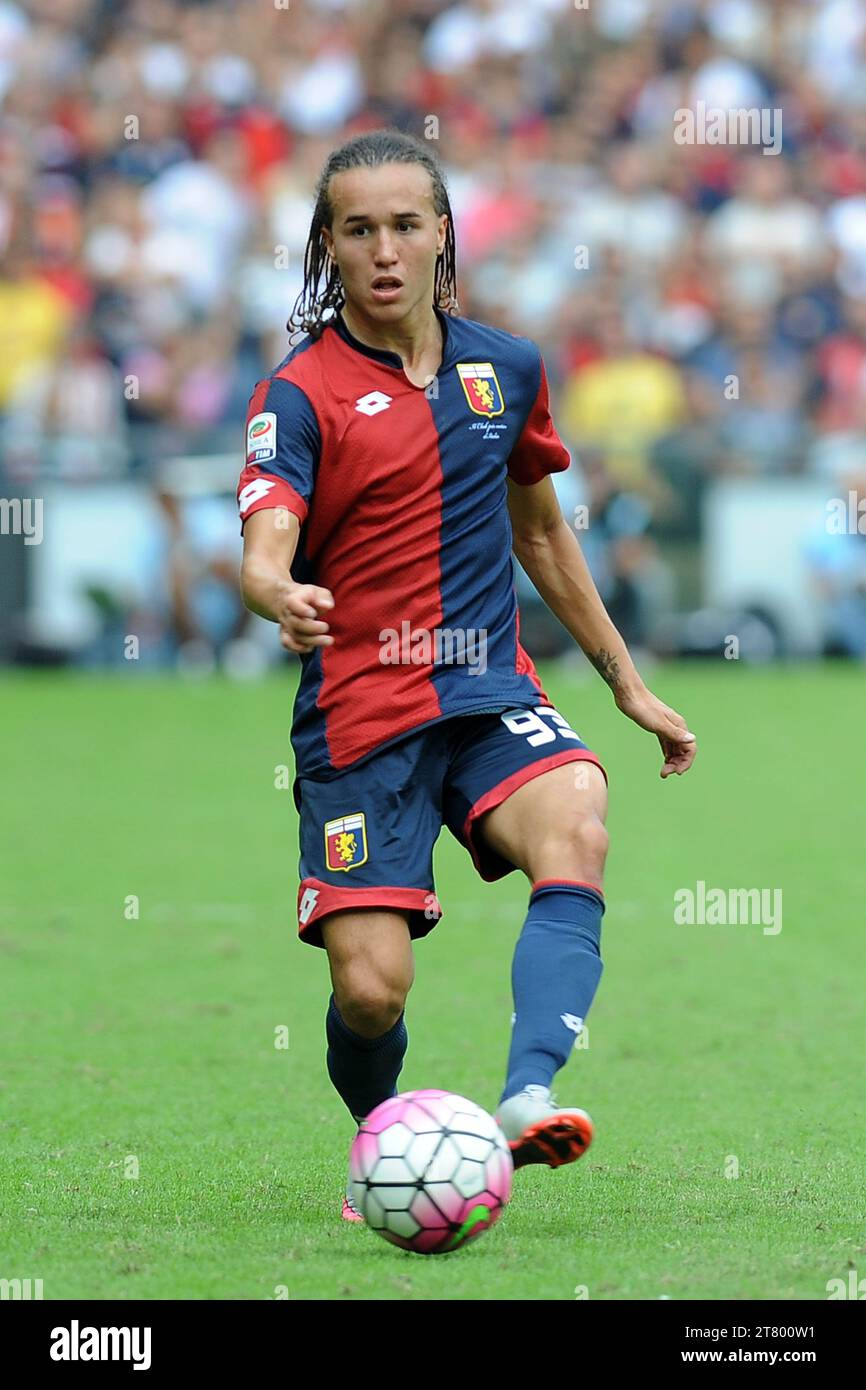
[{"x": 701, "y": 307}]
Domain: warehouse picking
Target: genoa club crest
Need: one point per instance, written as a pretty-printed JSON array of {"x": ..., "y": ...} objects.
[
  {"x": 346, "y": 842},
  {"x": 482, "y": 388}
]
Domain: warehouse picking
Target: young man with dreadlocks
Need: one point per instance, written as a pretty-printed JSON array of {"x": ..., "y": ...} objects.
[{"x": 394, "y": 459}]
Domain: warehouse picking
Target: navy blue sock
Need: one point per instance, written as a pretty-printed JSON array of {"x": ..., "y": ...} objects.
[
  {"x": 554, "y": 976},
  {"x": 364, "y": 1070}
]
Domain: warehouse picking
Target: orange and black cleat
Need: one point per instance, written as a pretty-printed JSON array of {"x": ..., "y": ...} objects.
[{"x": 539, "y": 1132}]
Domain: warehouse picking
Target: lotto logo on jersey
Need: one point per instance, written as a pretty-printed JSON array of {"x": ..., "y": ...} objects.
[
  {"x": 262, "y": 438},
  {"x": 346, "y": 841},
  {"x": 482, "y": 388},
  {"x": 254, "y": 492}
]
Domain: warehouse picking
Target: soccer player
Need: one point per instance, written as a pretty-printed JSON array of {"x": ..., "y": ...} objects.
[{"x": 395, "y": 458}]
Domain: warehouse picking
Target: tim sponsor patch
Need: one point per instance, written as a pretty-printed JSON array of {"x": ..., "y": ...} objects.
[{"x": 262, "y": 438}]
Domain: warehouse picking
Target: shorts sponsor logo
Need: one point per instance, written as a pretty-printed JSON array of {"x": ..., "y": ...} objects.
[
  {"x": 346, "y": 841},
  {"x": 262, "y": 438}
]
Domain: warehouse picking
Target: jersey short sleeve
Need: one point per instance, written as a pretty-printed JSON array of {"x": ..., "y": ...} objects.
[
  {"x": 283, "y": 443},
  {"x": 539, "y": 450}
]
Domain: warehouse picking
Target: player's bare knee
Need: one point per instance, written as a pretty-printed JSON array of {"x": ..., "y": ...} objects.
[
  {"x": 588, "y": 842},
  {"x": 577, "y": 848},
  {"x": 369, "y": 1004},
  {"x": 371, "y": 1019},
  {"x": 592, "y": 839}
]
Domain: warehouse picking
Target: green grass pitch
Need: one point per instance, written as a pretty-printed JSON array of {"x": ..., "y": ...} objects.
[{"x": 157, "y": 1144}]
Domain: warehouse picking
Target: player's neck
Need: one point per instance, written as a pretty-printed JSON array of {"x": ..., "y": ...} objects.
[{"x": 414, "y": 338}]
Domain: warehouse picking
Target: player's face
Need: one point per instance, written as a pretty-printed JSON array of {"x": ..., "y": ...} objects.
[{"x": 385, "y": 238}]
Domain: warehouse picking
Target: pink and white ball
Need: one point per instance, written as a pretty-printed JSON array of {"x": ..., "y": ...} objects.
[{"x": 430, "y": 1171}]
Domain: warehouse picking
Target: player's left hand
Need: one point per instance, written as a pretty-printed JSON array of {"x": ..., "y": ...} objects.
[{"x": 678, "y": 745}]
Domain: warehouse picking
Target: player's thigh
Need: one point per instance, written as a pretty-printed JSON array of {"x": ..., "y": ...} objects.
[
  {"x": 553, "y": 823},
  {"x": 524, "y": 791},
  {"x": 370, "y": 958}
]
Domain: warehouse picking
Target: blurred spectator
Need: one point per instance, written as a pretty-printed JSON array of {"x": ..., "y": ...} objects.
[
  {"x": 622, "y": 401},
  {"x": 752, "y": 385},
  {"x": 764, "y": 221},
  {"x": 627, "y": 211},
  {"x": 841, "y": 371},
  {"x": 33, "y": 318},
  {"x": 199, "y": 213},
  {"x": 68, "y": 420}
]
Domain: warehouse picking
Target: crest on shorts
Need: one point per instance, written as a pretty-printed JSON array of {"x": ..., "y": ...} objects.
[
  {"x": 346, "y": 841},
  {"x": 481, "y": 385}
]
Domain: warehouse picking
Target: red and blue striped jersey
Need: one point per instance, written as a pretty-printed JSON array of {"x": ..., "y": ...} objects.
[{"x": 401, "y": 494}]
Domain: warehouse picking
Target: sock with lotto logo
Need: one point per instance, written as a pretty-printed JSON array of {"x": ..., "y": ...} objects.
[
  {"x": 364, "y": 1070},
  {"x": 554, "y": 977}
]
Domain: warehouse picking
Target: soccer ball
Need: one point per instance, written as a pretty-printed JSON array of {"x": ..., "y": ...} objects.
[{"x": 430, "y": 1171}]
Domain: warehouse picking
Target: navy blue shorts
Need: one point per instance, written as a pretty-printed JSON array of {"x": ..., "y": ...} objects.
[{"x": 367, "y": 835}]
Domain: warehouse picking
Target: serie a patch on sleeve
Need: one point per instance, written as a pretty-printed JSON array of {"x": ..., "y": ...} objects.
[{"x": 262, "y": 438}]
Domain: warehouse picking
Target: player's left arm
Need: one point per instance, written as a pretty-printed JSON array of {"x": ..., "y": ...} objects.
[{"x": 550, "y": 553}]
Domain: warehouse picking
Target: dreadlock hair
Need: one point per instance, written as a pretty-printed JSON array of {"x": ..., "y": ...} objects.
[{"x": 369, "y": 150}]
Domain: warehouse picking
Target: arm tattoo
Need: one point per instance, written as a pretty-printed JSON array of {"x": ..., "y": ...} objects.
[{"x": 607, "y": 666}]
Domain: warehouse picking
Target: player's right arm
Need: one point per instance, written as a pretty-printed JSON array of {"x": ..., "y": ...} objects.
[
  {"x": 274, "y": 493},
  {"x": 267, "y": 586}
]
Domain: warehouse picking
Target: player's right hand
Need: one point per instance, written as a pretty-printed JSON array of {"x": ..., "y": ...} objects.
[{"x": 301, "y": 628}]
